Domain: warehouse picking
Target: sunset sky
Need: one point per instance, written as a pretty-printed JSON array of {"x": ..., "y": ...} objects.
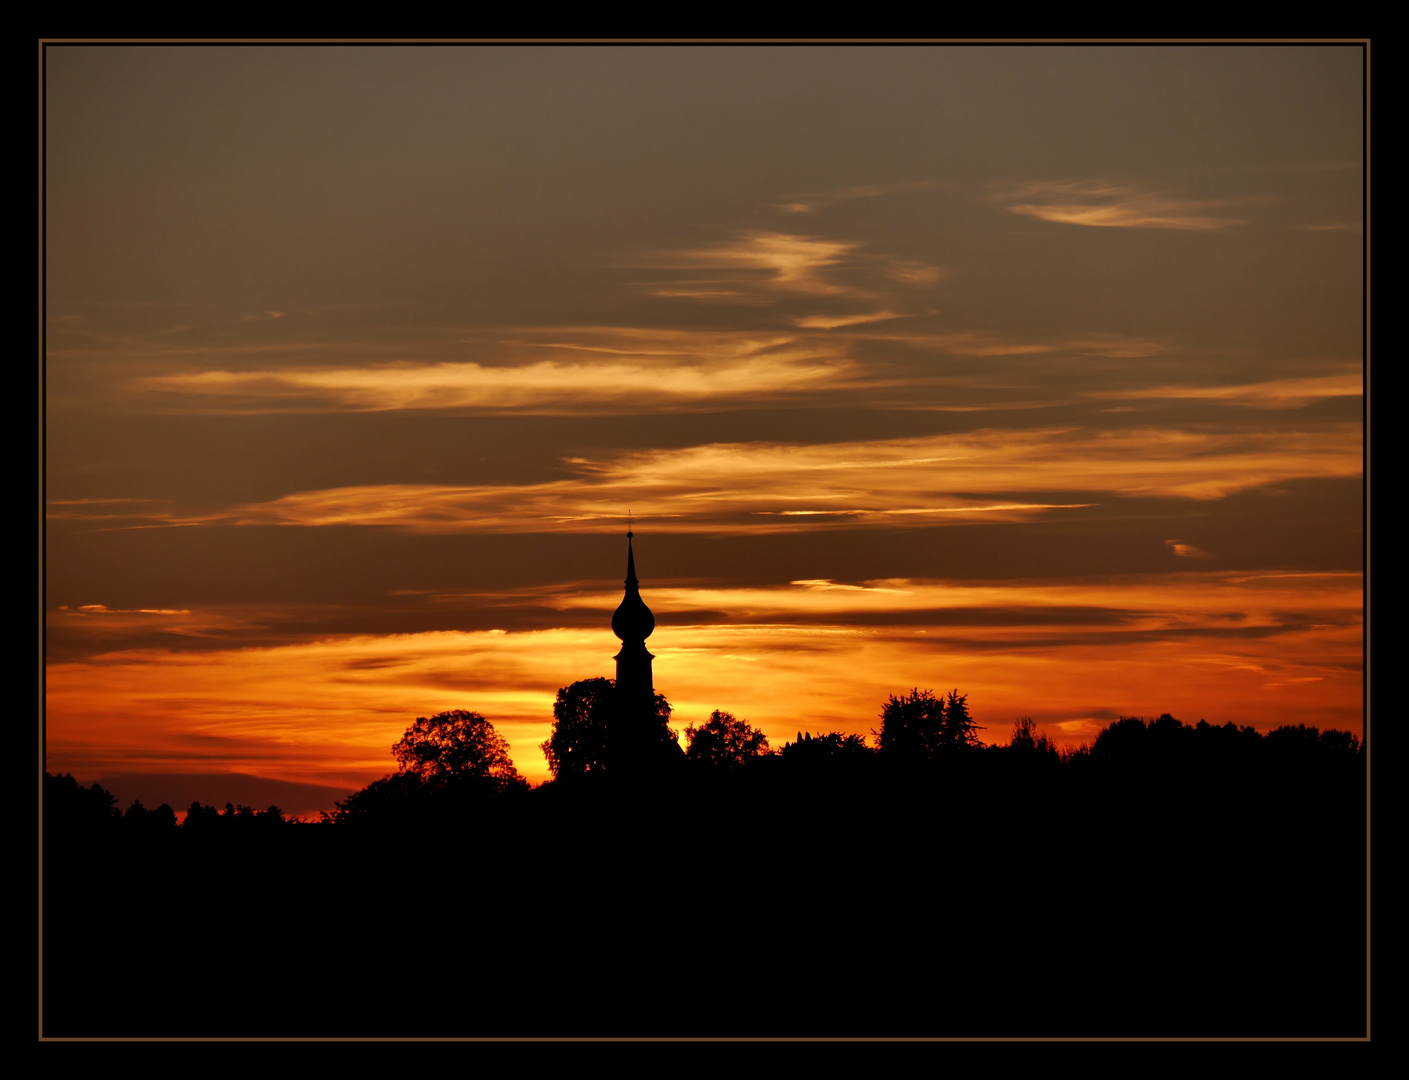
[{"x": 1035, "y": 372}]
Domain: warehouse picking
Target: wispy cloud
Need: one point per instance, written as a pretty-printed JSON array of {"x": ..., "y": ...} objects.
[
  {"x": 103, "y": 609},
  {"x": 766, "y": 268},
  {"x": 820, "y": 200},
  {"x": 708, "y": 291},
  {"x": 1104, "y": 205},
  {"x": 1187, "y": 551},
  {"x": 968, "y": 343},
  {"x": 913, "y": 272},
  {"x": 767, "y": 487},
  {"x": 1273, "y": 394},
  {"x": 618, "y": 369},
  {"x": 833, "y": 322},
  {"x": 1336, "y": 226},
  {"x": 784, "y": 261}
]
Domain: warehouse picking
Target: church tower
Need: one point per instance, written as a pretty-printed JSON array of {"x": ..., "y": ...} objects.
[
  {"x": 640, "y": 744},
  {"x": 633, "y": 623}
]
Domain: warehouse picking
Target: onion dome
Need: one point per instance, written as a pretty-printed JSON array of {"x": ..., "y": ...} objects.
[{"x": 633, "y": 620}]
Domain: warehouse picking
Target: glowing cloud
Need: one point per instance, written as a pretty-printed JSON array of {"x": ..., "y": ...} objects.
[
  {"x": 767, "y": 487},
  {"x": 1187, "y": 551},
  {"x": 788, "y": 262},
  {"x": 624, "y": 371},
  {"x": 820, "y": 200},
  {"x": 832, "y": 322},
  {"x": 103, "y": 609},
  {"x": 769, "y": 267},
  {"x": 1274, "y": 394},
  {"x": 1113, "y": 206}
]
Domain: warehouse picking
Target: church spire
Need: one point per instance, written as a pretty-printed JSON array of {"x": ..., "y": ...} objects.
[
  {"x": 633, "y": 621},
  {"x": 638, "y": 737}
]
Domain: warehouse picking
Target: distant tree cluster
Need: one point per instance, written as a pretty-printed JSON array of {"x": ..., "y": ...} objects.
[
  {"x": 159, "y": 820},
  {"x": 72, "y": 809},
  {"x": 201, "y": 818},
  {"x": 1132, "y": 740}
]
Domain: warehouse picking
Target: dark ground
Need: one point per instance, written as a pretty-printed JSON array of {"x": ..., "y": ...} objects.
[{"x": 858, "y": 905}]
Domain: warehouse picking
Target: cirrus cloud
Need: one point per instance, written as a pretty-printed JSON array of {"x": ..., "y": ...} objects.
[
  {"x": 1105, "y": 205},
  {"x": 990, "y": 475}
]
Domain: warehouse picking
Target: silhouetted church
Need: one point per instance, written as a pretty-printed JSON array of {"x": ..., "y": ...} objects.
[
  {"x": 639, "y": 736},
  {"x": 633, "y": 623}
]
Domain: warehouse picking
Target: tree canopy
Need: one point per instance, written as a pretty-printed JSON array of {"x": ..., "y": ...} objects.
[
  {"x": 581, "y": 717},
  {"x": 588, "y": 734},
  {"x": 457, "y": 747},
  {"x": 449, "y": 762},
  {"x": 723, "y": 742}
]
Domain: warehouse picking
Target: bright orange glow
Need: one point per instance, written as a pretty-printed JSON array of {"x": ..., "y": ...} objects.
[{"x": 1262, "y": 649}]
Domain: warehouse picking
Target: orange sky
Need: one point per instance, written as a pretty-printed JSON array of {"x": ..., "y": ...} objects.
[
  {"x": 1031, "y": 372},
  {"x": 327, "y": 711}
]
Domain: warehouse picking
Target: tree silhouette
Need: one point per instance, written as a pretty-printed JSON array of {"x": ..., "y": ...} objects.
[
  {"x": 831, "y": 745},
  {"x": 139, "y": 819},
  {"x": 1027, "y": 740},
  {"x": 457, "y": 748},
  {"x": 959, "y": 726},
  {"x": 723, "y": 742},
  {"x": 587, "y": 733},
  {"x": 581, "y": 718},
  {"x": 400, "y": 797},
  {"x": 450, "y": 763},
  {"x": 920, "y": 725},
  {"x": 201, "y": 818},
  {"x": 70, "y": 807}
]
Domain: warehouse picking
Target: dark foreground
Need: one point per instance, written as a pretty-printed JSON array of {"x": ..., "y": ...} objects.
[{"x": 1012, "y": 905}]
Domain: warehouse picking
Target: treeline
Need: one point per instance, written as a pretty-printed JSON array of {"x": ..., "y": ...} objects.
[
  {"x": 455, "y": 763},
  {"x": 1168, "y": 879},
  {"x": 70, "y": 808}
]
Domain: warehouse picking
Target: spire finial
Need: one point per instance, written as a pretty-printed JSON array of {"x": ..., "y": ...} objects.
[
  {"x": 629, "y": 533},
  {"x": 633, "y": 620}
]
